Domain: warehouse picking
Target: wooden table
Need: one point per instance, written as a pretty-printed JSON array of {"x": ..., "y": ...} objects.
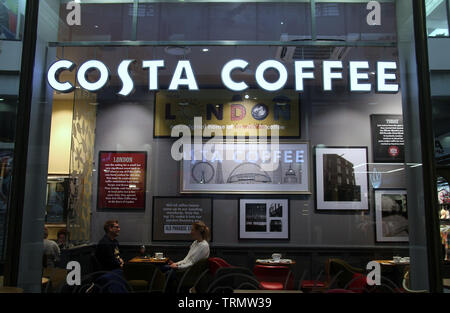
[
  {"x": 139, "y": 259},
  {"x": 265, "y": 262},
  {"x": 11, "y": 290}
]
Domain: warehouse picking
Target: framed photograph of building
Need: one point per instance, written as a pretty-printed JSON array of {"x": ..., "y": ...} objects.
[
  {"x": 247, "y": 168},
  {"x": 341, "y": 178},
  {"x": 391, "y": 215},
  {"x": 264, "y": 219}
]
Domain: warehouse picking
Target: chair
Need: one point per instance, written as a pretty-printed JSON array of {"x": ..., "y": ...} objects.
[
  {"x": 228, "y": 279},
  {"x": 143, "y": 277},
  {"x": 216, "y": 263},
  {"x": 340, "y": 274},
  {"x": 274, "y": 277},
  {"x": 197, "y": 276}
]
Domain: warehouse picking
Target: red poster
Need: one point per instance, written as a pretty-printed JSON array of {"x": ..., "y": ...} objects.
[{"x": 121, "y": 180}]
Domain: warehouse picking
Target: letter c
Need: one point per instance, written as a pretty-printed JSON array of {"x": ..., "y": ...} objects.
[
  {"x": 53, "y": 75},
  {"x": 226, "y": 75}
]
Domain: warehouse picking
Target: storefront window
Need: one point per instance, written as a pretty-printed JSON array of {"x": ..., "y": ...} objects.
[
  {"x": 11, "y": 32},
  {"x": 290, "y": 129}
]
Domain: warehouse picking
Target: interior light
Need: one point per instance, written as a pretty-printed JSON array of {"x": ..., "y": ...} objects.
[{"x": 205, "y": 49}]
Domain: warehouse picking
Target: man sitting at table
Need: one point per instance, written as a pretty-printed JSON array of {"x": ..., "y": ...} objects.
[{"x": 108, "y": 255}]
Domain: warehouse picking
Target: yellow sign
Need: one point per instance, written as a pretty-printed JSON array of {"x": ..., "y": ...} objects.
[{"x": 250, "y": 113}]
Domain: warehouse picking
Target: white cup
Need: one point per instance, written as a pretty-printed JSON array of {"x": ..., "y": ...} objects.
[
  {"x": 276, "y": 257},
  {"x": 397, "y": 259},
  {"x": 159, "y": 255}
]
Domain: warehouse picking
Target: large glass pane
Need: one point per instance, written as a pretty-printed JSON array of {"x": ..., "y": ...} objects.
[
  {"x": 11, "y": 32},
  {"x": 341, "y": 190}
]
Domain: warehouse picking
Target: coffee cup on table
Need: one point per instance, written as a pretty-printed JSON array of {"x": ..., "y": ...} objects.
[
  {"x": 276, "y": 257},
  {"x": 397, "y": 259},
  {"x": 159, "y": 255}
]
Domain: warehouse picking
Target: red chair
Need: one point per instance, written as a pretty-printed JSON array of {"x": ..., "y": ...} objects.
[
  {"x": 216, "y": 263},
  {"x": 312, "y": 284},
  {"x": 274, "y": 277},
  {"x": 358, "y": 284},
  {"x": 339, "y": 291}
]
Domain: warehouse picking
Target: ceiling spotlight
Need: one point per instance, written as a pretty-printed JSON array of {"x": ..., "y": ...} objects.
[
  {"x": 246, "y": 96},
  {"x": 205, "y": 49}
]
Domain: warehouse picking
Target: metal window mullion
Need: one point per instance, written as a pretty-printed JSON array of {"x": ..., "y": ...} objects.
[{"x": 313, "y": 20}]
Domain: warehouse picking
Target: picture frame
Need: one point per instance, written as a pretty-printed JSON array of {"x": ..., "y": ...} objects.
[
  {"x": 247, "y": 175},
  {"x": 215, "y": 107},
  {"x": 263, "y": 219},
  {"x": 179, "y": 230},
  {"x": 342, "y": 184},
  {"x": 131, "y": 198},
  {"x": 391, "y": 215}
]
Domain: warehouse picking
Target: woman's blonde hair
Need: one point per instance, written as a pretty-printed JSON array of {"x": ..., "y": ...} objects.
[{"x": 203, "y": 229}]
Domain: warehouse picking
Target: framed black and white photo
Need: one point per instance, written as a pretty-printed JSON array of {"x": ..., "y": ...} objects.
[
  {"x": 264, "y": 219},
  {"x": 391, "y": 215},
  {"x": 341, "y": 178}
]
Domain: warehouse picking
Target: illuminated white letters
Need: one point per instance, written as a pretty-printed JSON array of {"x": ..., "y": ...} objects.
[
  {"x": 355, "y": 76},
  {"x": 226, "y": 75},
  {"x": 188, "y": 81},
  {"x": 328, "y": 75},
  {"x": 282, "y": 79},
  {"x": 153, "y": 73},
  {"x": 358, "y": 74},
  {"x": 382, "y": 76},
  {"x": 54, "y": 72},
  {"x": 300, "y": 75},
  {"x": 89, "y": 66},
  {"x": 127, "y": 82}
]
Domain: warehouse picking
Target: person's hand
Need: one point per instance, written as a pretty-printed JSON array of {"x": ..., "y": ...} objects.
[
  {"x": 121, "y": 262},
  {"x": 173, "y": 265},
  {"x": 170, "y": 262}
]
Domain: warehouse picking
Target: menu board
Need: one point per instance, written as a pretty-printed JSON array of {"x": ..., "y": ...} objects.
[
  {"x": 387, "y": 138},
  {"x": 122, "y": 180},
  {"x": 173, "y": 217}
]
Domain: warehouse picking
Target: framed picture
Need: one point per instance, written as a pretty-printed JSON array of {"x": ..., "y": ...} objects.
[
  {"x": 247, "y": 168},
  {"x": 122, "y": 179},
  {"x": 57, "y": 199},
  {"x": 391, "y": 215},
  {"x": 264, "y": 219},
  {"x": 254, "y": 113},
  {"x": 173, "y": 217},
  {"x": 341, "y": 178}
]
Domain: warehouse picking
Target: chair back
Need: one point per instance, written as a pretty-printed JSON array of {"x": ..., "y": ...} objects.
[
  {"x": 341, "y": 273},
  {"x": 229, "y": 278},
  {"x": 274, "y": 274},
  {"x": 216, "y": 263}
]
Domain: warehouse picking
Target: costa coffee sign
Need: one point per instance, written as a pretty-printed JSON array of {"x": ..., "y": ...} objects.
[{"x": 184, "y": 76}]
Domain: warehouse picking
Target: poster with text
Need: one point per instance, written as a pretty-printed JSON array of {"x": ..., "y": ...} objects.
[
  {"x": 122, "y": 180},
  {"x": 264, "y": 219},
  {"x": 173, "y": 217},
  {"x": 253, "y": 113},
  {"x": 247, "y": 168},
  {"x": 387, "y": 138}
]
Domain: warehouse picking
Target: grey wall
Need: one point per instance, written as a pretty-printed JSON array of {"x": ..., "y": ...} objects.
[{"x": 337, "y": 119}]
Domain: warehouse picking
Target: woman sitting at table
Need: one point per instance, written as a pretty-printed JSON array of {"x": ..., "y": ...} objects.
[{"x": 199, "y": 248}]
